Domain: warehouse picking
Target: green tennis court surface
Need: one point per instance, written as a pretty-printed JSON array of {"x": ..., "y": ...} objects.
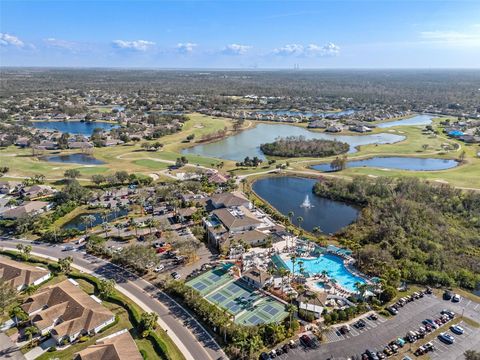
[{"x": 236, "y": 297}]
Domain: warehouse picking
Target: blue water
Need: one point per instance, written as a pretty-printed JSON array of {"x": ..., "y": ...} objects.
[
  {"x": 73, "y": 159},
  {"x": 77, "y": 223},
  {"x": 247, "y": 142},
  {"x": 414, "y": 120},
  {"x": 396, "y": 162},
  {"x": 305, "y": 113},
  {"x": 73, "y": 127},
  {"x": 334, "y": 267},
  {"x": 287, "y": 193}
]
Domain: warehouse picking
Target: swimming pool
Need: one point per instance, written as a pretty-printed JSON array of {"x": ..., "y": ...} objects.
[{"x": 334, "y": 267}]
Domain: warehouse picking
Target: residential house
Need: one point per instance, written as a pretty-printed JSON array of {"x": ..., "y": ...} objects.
[
  {"x": 20, "y": 275},
  {"x": 117, "y": 346},
  {"x": 67, "y": 312},
  {"x": 7, "y": 187},
  {"x": 334, "y": 129},
  {"x": 28, "y": 208},
  {"x": 38, "y": 191}
]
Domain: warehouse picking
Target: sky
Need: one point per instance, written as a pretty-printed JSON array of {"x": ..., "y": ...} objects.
[{"x": 243, "y": 34}]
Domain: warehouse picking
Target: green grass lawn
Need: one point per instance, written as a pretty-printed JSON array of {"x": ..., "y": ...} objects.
[{"x": 151, "y": 164}]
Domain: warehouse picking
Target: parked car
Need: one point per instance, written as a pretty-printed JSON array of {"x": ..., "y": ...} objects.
[
  {"x": 371, "y": 355},
  {"x": 344, "y": 329},
  {"x": 449, "y": 313},
  {"x": 447, "y": 295},
  {"x": 392, "y": 310},
  {"x": 273, "y": 354},
  {"x": 446, "y": 338},
  {"x": 456, "y": 298},
  {"x": 175, "y": 275},
  {"x": 373, "y": 317},
  {"x": 457, "y": 329},
  {"x": 431, "y": 323},
  {"x": 306, "y": 341},
  {"x": 286, "y": 348},
  {"x": 264, "y": 356},
  {"x": 292, "y": 344},
  {"x": 159, "y": 268}
]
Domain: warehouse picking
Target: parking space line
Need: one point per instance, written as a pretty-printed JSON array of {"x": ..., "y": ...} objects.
[{"x": 476, "y": 307}]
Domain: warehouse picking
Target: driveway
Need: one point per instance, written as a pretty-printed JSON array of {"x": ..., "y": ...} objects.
[{"x": 8, "y": 349}]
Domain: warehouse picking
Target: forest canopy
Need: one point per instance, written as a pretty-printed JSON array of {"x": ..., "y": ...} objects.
[
  {"x": 412, "y": 230},
  {"x": 299, "y": 146}
]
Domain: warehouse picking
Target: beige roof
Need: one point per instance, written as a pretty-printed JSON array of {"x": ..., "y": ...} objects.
[
  {"x": 235, "y": 198},
  {"x": 17, "y": 273},
  {"x": 258, "y": 275},
  {"x": 65, "y": 301},
  {"x": 24, "y": 210},
  {"x": 118, "y": 347},
  {"x": 232, "y": 218}
]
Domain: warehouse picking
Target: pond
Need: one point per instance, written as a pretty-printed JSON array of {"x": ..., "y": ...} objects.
[
  {"x": 396, "y": 162},
  {"x": 288, "y": 193},
  {"x": 77, "y": 223},
  {"x": 305, "y": 113},
  {"x": 79, "y": 158},
  {"x": 73, "y": 127},
  {"x": 247, "y": 143},
  {"x": 414, "y": 120}
]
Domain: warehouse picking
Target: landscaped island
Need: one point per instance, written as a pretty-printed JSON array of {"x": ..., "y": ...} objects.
[{"x": 299, "y": 146}]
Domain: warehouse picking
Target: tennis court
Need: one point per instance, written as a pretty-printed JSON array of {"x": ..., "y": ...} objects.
[
  {"x": 266, "y": 311},
  {"x": 235, "y": 297},
  {"x": 209, "y": 281},
  {"x": 238, "y": 298}
]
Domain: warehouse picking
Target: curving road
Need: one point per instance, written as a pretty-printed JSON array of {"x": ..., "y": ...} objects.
[{"x": 189, "y": 335}]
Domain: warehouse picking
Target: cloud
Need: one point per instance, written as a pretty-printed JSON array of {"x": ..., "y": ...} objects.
[
  {"x": 138, "y": 45},
  {"x": 63, "y": 44},
  {"x": 185, "y": 48},
  {"x": 453, "y": 38},
  {"x": 10, "y": 40},
  {"x": 329, "y": 49},
  {"x": 235, "y": 49},
  {"x": 289, "y": 49}
]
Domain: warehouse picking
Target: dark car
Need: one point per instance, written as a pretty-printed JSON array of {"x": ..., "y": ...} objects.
[
  {"x": 371, "y": 355},
  {"x": 306, "y": 341},
  {"x": 344, "y": 329},
  {"x": 286, "y": 348},
  {"x": 447, "y": 295},
  {"x": 372, "y": 317},
  {"x": 264, "y": 356},
  {"x": 392, "y": 310}
]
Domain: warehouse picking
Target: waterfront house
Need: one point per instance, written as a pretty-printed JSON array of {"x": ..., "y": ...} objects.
[
  {"x": 66, "y": 312},
  {"x": 20, "y": 275},
  {"x": 225, "y": 200}
]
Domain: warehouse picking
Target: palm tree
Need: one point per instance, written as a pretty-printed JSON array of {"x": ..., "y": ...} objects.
[
  {"x": 290, "y": 215},
  {"x": 293, "y": 257},
  {"x": 300, "y": 221}
]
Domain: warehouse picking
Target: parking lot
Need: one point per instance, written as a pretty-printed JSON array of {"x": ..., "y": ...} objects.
[
  {"x": 334, "y": 334},
  {"x": 470, "y": 339},
  {"x": 376, "y": 334}
]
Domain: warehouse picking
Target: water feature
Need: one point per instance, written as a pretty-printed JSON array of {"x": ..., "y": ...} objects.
[
  {"x": 288, "y": 193},
  {"x": 305, "y": 113},
  {"x": 77, "y": 221},
  {"x": 306, "y": 203},
  {"x": 78, "y": 158},
  {"x": 414, "y": 120},
  {"x": 396, "y": 162},
  {"x": 331, "y": 264},
  {"x": 73, "y": 127},
  {"x": 247, "y": 143}
]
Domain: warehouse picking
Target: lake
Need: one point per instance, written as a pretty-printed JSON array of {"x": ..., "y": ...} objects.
[
  {"x": 396, "y": 162},
  {"x": 414, "y": 120},
  {"x": 247, "y": 143},
  {"x": 79, "y": 158},
  {"x": 77, "y": 223},
  {"x": 73, "y": 127},
  {"x": 287, "y": 194},
  {"x": 304, "y": 113}
]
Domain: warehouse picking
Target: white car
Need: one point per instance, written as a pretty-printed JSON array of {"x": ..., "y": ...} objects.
[
  {"x": 159, "y": 268},
  {"x": 456, "y": 298}
]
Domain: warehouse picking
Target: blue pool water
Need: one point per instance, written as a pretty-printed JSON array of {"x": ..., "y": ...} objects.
[{"x": 334, "y": 267}]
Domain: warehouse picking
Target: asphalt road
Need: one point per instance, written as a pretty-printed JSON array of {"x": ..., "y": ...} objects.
[{"x": 196, "y": 342}]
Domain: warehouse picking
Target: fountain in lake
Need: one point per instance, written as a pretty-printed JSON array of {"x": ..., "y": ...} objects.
[{"x": 306, "y": 203}]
